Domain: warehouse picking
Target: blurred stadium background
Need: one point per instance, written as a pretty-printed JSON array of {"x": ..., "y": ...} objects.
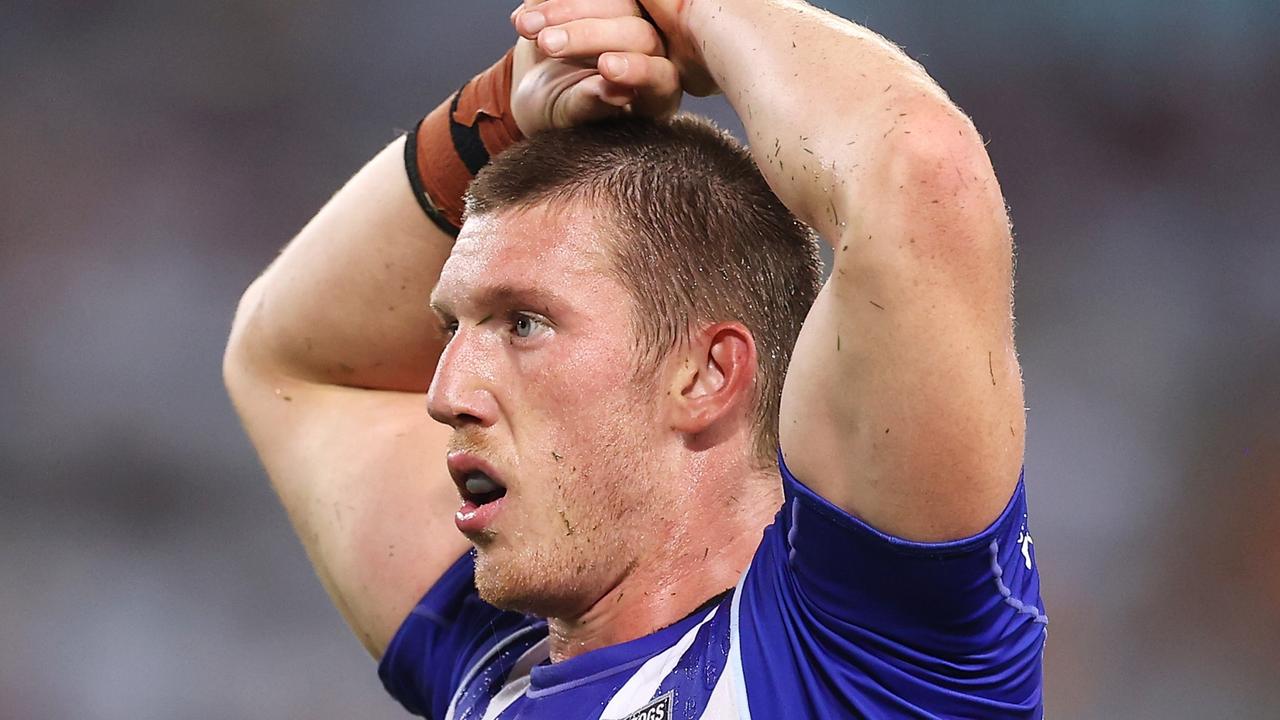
[{"x": 155, "y": 155}]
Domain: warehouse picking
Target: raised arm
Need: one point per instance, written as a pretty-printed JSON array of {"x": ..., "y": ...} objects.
[
  {"x": 903, "y": 403},
  {"x": 334, "y": 346},
  {"x": 329, "y": 359}
]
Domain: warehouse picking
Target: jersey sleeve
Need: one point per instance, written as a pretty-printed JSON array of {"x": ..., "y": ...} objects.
[
  {"x": 445, "y": 634},
  {"x": 891, "y": 627}
]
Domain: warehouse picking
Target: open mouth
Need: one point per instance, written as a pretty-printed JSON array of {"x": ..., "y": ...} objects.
[{"x": 479, "y": 489}]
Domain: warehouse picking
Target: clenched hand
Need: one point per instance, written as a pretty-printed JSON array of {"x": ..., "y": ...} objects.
[{"x": 584, "y": 60}]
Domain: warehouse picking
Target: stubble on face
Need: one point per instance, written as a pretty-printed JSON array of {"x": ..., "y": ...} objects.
[
  {"x": 593, "y": 521},
  {"x": 583, "y": 506}
]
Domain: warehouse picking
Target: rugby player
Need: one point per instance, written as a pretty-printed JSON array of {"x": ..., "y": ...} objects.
[{"x": 690, "y": 480}]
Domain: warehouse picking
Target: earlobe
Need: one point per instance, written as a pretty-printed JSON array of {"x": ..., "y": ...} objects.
[{"x": 716, "y": 375}]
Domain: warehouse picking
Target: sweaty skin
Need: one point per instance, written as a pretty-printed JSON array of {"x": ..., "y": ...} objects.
[
  {"x": 903, "y": 403},
  {"x": 539, "y": 380}
]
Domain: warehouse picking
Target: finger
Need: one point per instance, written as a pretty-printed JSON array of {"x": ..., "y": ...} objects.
[
  {"x": 655, "y": 80},
  {"x": 591, "y": 99},
  {"x": 640, "y": 71},
  {"x": 534, "y": 15},
  {"x": 601, "y": 90},
  {"x": 592, "y": 36}
]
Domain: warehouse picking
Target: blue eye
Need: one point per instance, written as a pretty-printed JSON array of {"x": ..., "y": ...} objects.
[{"x": 523, "y": 325}]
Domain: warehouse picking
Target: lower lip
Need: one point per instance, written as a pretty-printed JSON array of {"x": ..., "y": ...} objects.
[{"x": 474, "y": 519}]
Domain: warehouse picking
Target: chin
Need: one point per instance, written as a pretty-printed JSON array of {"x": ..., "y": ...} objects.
[{"x": 532, "y": 583}]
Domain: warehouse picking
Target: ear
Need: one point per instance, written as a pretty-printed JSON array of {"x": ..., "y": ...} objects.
[{"x": 714, "y": 375}]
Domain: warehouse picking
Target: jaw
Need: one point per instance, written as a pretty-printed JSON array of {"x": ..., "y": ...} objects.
[
  {"x": 689, "y": 550},
  {"x": 596, "y": 496},
  {"x": 562, "y": 566},
  {"x": 541, "y": 583}
]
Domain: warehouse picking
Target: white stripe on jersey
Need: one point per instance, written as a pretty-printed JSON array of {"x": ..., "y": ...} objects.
[
  {"x": 518, "y": 679},
  {"x": 721, "y": 704},
  {"x": 639, "y": 689},
  {"x": 733, "y": 671}
]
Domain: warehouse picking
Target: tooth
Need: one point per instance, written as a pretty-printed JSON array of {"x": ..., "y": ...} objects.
[{"x": 480, "y": 484}]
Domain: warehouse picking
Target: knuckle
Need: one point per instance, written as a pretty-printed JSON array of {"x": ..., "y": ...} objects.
[
  {"x": 643, "y": 31},
  {"x": 553, "y": 12},
  {"x": 628, "y": 7},
  {"x": 641, "y": 68},
  {"x": 583, "y": 34},
  {"x": 562, "y": 11},
  {"x": 664, "y": 77},
  {"x": 558, "y": 12},
  {"x": 602, "y": 9}
]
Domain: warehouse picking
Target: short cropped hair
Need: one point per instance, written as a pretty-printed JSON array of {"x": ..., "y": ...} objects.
[{"x": 701, "y": 238}]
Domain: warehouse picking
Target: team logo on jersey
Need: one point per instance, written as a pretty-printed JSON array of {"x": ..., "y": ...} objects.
[
  {"x": 659, "y": 709},
  {"x": 1024, "y": 539}
]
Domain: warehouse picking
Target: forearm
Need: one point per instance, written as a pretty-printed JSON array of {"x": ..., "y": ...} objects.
[
  {"x": 359, "y": 471},
  {"x": 831, "y": 109},
  {"x": 346, "y": 302}
]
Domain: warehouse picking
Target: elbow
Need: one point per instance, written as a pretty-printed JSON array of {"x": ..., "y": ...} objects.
[
  {"x": 939, "y": 153},
  {"x": 939, "y": 167},
  {"x": 237, "y": 357}
]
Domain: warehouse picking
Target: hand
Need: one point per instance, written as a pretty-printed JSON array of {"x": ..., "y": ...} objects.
[
  {"x": 670, "y": 17},
  {"x": 609, "y": 61}
]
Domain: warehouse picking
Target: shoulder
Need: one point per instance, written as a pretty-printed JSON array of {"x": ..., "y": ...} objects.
[{"x": 834, "y": 612}]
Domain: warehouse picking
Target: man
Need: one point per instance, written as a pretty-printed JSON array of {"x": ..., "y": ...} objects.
[{"x": 658, "y": 526}]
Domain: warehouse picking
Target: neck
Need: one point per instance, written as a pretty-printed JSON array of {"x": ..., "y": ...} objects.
[{"x": 693, "y": 559}]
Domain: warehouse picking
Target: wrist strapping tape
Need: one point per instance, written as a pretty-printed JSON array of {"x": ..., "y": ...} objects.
[{"x": 454, "y": 141}]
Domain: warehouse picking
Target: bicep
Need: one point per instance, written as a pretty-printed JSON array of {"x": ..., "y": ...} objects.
[
  {"x": 362, "y": 477},
  {"x": 903, "y": 401}
]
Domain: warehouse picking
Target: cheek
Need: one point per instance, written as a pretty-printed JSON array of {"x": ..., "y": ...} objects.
[
  {"x": 582, "y": 412},
  {"x": 576, "y": 382}
]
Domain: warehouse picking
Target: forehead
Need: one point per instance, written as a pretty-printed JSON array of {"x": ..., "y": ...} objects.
[{"x": 561, "y": 247}]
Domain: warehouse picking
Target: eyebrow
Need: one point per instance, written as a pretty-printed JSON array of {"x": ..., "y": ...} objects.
[{"x": 503, "y": 296}]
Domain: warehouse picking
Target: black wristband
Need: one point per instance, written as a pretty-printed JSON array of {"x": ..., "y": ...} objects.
[{"x": 466, "y": 140}]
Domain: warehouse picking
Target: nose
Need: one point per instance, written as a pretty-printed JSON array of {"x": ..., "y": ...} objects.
[{"x": 460, "y": 393}]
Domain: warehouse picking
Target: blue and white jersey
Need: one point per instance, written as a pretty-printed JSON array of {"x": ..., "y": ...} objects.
[{"x": 833, "y": 619}]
